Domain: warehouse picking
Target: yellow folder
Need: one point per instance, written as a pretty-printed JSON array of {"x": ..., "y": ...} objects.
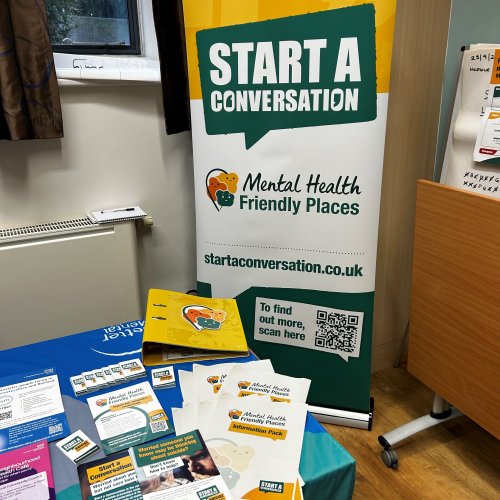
[{"x": 181, "y": 327}]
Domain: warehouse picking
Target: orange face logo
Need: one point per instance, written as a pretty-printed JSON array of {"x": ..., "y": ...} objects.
[
  {"x": 203, "y": 318},
  {"x": 221, "y": 187},
  {"x": 244, "y": 384},
  {"x": 215, "y": 185},
  {"x": 235, "y": 414}
]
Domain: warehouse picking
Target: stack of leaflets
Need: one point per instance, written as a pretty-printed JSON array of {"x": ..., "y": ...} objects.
[
  {"x": 26, "y": 473},
  {"x": 178, "y": 468},
  {"x": 133, "y": 369},
  {"x": 128, "y": 416},
  {"x": 111, "y": 478},
  {"x": 252, "y": 420},
  {"x": 163, "y": 378},
  {"x": 100, "y": 378},
  {"x": 77, "y": 446},
  {"x": 181, "y": 327}
]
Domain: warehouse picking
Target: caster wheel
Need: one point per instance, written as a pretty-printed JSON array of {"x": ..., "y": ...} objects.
[{"x": 390, "y": 458}]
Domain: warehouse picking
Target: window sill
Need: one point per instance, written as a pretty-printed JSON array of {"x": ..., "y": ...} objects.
[
  {"x": 72, "y": 69},
  {"x": 72, "y": 77}
]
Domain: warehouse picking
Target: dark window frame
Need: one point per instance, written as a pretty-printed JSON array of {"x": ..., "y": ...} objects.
[{"x": 110, "y": 49}]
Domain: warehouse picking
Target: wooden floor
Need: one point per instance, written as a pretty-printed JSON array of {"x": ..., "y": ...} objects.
[{"x": 455, "y": 460}]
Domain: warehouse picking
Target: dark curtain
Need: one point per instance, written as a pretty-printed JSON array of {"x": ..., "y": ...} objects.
[
  {"x": 29, "y": 97},
  {"x": 169, "y": 24}
]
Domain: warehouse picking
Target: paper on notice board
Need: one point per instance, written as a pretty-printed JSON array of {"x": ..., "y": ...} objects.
[{"x": 473, "y": 144}]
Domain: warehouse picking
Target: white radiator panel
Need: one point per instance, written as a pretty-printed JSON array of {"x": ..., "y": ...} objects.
[{"x": 56, "y": 281}]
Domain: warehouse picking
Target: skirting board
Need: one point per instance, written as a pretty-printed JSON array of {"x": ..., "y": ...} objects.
[{"x": 343, "y": 417}]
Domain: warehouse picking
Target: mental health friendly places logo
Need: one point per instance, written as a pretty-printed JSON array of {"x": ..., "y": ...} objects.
[
  {"x": 221, "y": 187},
  {"x": 202, "y": 317}
]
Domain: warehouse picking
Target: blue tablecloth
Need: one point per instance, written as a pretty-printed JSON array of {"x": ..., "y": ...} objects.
[{"x": 327, "y": 469}]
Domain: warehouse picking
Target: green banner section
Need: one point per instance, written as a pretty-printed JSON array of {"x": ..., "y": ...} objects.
[
  {"x": 299, "y": 71},
  {"x": 337, "y": 376}
]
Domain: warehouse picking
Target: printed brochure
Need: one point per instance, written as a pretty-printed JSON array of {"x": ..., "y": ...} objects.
[
  {"x": 31, "y": 409},
  {"x": 244, "y": 381},
  {"x": 204, "y": 382},
  {"x": 256, "y": 445},
  {"x": 128, "y": 416},
  {"x": 181, "y": 327},
  {"x": 26, "y": 473},
  {"x": 208, "y": 380},
  {"x": 110, "y": 478},
  {"x": 179, "y": 468}
]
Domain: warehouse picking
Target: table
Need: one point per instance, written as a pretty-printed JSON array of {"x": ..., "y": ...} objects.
[{"x": 325, "y": 466}]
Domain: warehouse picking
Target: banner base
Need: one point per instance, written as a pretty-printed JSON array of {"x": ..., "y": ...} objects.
[{"x": 346, "y": 418}]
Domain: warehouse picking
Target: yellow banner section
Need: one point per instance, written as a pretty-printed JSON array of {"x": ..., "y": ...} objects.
[
  {"x": 156, "y": 415},
  {"x": 495, "y": 71},
  {"x": 82, "y": 445},
  {"x": 256, "y": 494},
  {"x": 108, "y": 470},
  {"x": 133, "y": 402},
  {"x": 275, "y": 399},
  {"x": 258, "y": 430},
  {"x": 243, "y": 394},
  {"x": 298, "y": 491},
  {"x": 219, "y": 496},
  {"x": 205, "y": 14},
  {"x": 493, "y": 116}
]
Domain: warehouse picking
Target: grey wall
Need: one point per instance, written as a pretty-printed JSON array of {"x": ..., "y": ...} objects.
[{"x": 115, "y": 153}]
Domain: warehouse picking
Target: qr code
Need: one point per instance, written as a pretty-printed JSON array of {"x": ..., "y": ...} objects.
[
  {"x": 159, "y": 426},
  {"x": 337, "y": 331},
  {"x": 6, "y": 415},
  {"x": 54, "y": 429}
]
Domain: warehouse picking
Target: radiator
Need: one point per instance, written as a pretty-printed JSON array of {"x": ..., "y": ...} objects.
[{"x": 66, "y": 277}]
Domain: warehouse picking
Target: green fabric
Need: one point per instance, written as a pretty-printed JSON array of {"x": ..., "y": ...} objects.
[
  {"x": 71, "y": 493},
  {"x": 321, "y": 455}
]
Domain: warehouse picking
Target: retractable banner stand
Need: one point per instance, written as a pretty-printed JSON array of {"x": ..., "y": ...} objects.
[{"x": 288, "y": 105}]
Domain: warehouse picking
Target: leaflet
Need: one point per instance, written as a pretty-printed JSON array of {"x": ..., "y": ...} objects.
[
  {"x": 243, "y": 381},
  {"x": 179, "y": 468},
  {"x": 129, "y": 416},
  {"x": 256, "y": 445},
  {"x": 77, "y": 446},
  {"x": 26, "y": 473},
  {"x": 186, "y": 418},
  {"x": 208, "y": 380},
  {"x": 31, "y": 409},
  {"x": 110, "y": 478},
  {"x": 187, "y": 386}
]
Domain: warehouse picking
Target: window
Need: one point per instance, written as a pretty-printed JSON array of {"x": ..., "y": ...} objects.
[{"x": 94, "y": 26}]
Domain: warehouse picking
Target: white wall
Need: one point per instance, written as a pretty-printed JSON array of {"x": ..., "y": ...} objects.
[{"x": 115, "y": 153}]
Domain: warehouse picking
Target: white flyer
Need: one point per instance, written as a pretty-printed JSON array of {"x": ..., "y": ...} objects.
[
  {"x": 244, "y": 381},
  {"x": 208, "y": 380},
  {"x": 187, "y": 386},
  {"x": 256, "y": 445},
  {"x": 128, "y": 416}
]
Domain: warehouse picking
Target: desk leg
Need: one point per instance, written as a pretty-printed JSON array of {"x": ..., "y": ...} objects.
[{"x": 441, "y": 412}]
